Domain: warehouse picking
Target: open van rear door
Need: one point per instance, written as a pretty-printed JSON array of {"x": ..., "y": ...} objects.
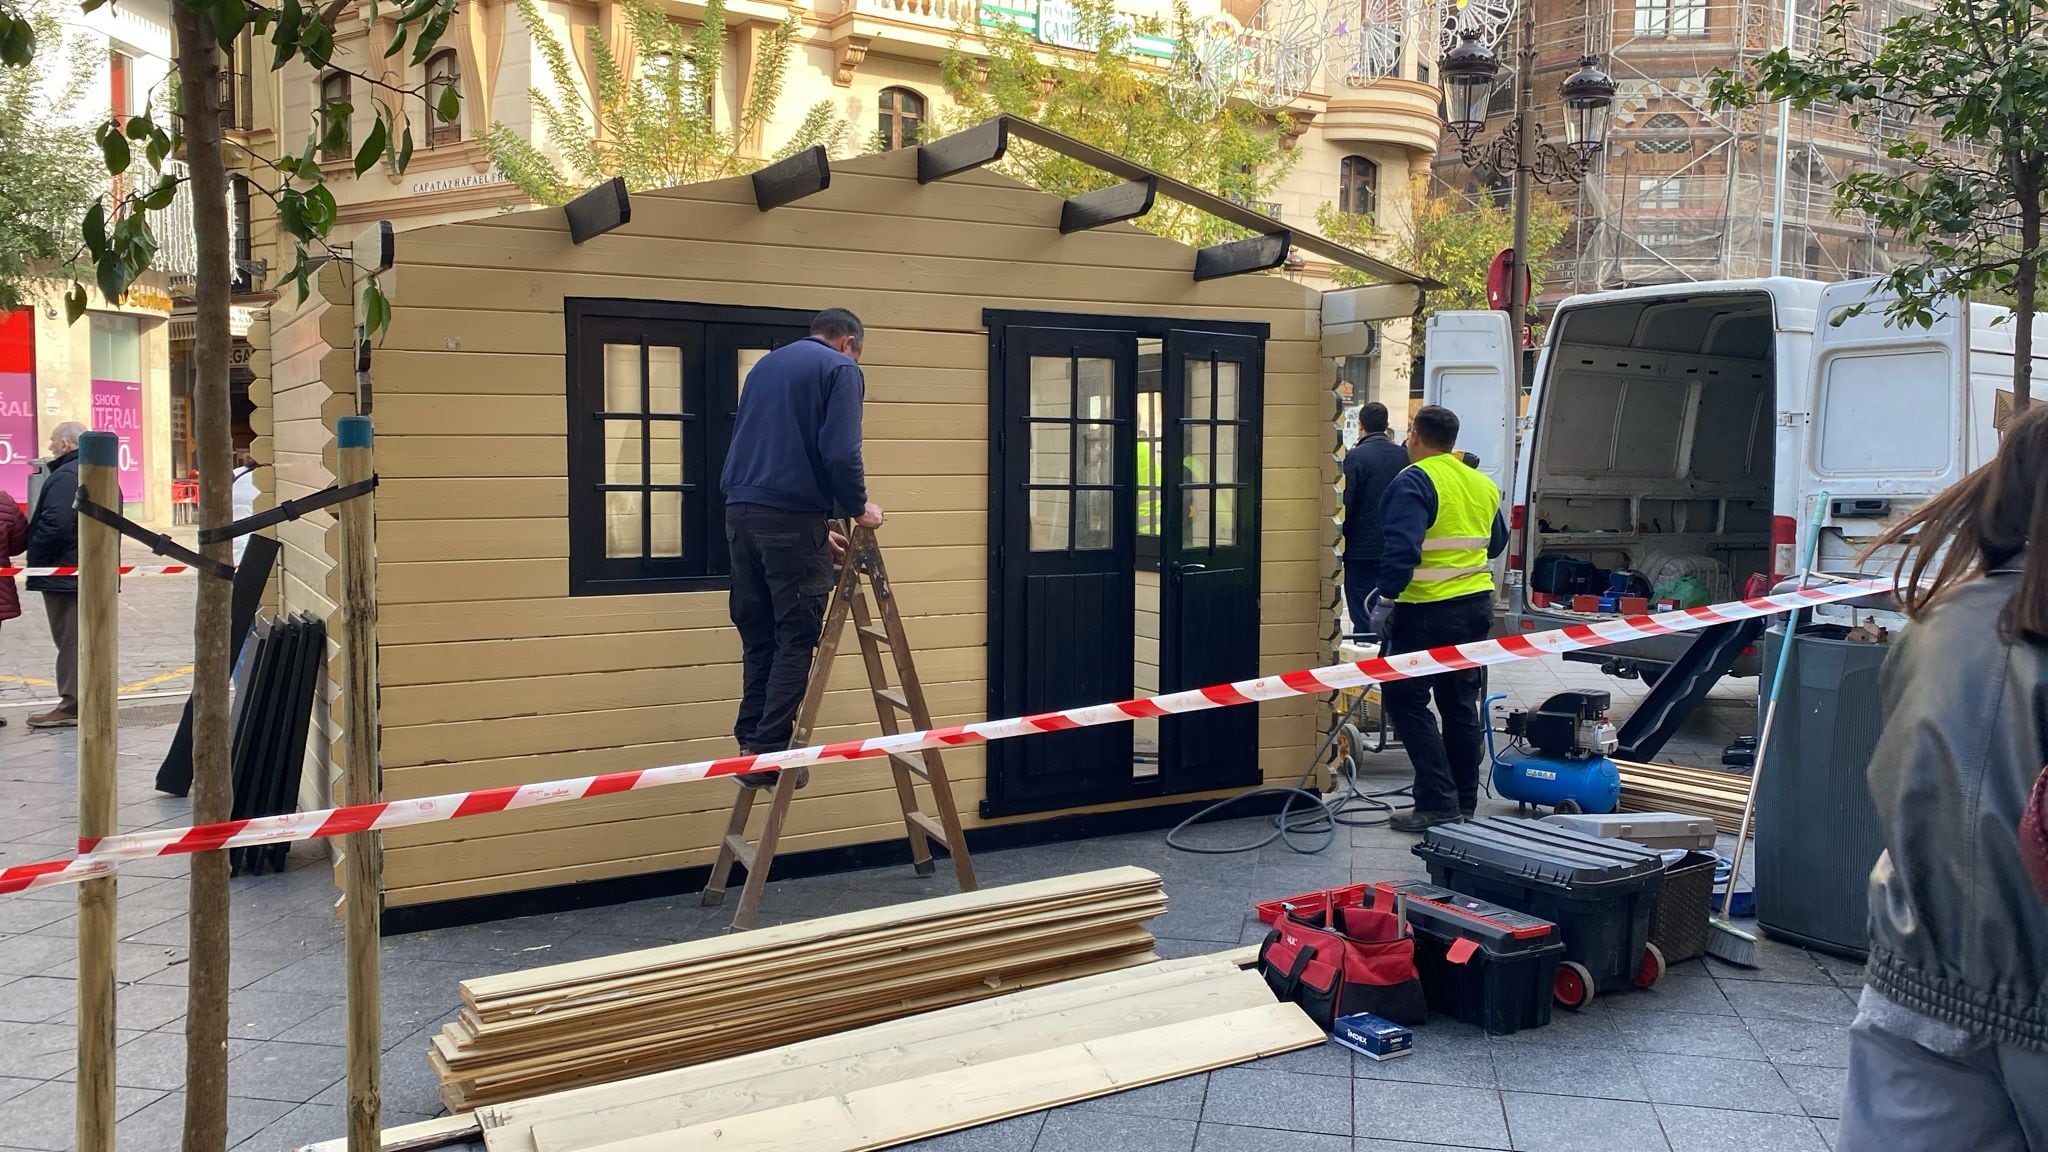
[
  {"x": 1887, "y": 421},
  {"x": 1468, "y": 364}
]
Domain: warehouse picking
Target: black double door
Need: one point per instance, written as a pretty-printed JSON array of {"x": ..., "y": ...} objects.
[{"x": 1124, "y": 540}]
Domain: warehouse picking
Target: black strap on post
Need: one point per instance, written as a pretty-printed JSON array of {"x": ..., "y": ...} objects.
[
  {"x": 287, "y": 510},
  {"x": 156, "y": 542}
]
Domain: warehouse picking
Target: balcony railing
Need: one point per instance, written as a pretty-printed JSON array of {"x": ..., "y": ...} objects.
[{"x": 234, "y": 101}]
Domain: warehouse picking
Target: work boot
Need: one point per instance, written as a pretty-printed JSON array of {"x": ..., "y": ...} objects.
[
  {"x": 1471, "y": 813},
  {"x": 1422, "y": 821},
  {"x": 765, "y": 780},
  {"x": 58, "y": 717}
]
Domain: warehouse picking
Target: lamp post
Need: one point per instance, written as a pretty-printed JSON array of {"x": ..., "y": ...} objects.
[{"x": 1469, "y": 71}]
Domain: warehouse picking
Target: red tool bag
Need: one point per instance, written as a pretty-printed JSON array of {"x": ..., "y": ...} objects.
[{"x": 1336, "y": 961}]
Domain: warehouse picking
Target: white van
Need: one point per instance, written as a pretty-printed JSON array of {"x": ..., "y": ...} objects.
[{"x": 1688, "y": 429}]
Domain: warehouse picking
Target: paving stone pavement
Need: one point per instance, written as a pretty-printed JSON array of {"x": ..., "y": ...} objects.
[
  {"x": 156, "y": 639},
  {"x": 1714, "y": 1059}
]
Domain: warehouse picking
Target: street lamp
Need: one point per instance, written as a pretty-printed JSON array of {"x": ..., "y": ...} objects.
[{"x": 1469, "y": 71}]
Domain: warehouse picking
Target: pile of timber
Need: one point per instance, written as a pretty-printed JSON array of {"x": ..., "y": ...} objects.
[
  {"x": 925, "y": 1075},
  {"x": 1718, "y": 796},
  {"x": 592, "y": 1021}
]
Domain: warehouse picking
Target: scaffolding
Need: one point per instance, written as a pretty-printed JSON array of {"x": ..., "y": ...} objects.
[{"x": 1686, "y": 191}]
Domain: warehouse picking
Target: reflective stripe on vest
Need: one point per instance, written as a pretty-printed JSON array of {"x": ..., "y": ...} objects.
[{"x": 1454, "y": 560}]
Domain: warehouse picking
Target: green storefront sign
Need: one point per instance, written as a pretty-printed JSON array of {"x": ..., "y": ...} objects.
[{"x": 1058, "y": 23}]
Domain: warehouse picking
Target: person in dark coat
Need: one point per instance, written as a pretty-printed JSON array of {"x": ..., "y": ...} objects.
[
  {"x": 53, "y": 543},
  {"x": 13, "y": 538},
  {"x": 1369, "y": 467}
]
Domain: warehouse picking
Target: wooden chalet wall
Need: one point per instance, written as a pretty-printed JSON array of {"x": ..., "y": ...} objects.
[{"x": 493, "y": 675}]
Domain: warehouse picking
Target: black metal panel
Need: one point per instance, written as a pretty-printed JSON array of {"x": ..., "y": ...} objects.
[
  {"x": 1108, "y": 205},
  {"x": 982, "y": 144},
  {"x": 252, "y": 576},
  {"x": 1255, "y": 254},
  {"x": 599, "y": 210},
  {"x": 791, "y": 179}
]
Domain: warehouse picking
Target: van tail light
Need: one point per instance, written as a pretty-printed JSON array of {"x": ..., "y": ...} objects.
[
  {"x": 1518, "y": 536},
  {"x": 1784, "y": 548}
]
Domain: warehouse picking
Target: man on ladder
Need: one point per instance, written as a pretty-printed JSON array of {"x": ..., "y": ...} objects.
[
  {"x": 1442, "y": 525},
  {"x": 794, "y": 464}
]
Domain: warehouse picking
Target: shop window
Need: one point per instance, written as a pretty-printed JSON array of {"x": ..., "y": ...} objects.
[
  {"x": 1358, "y": 190},
  {"x": 900, "y": 118},
  {"x": 653, "y": 389},
  {"x": 444, "y": 72},
  {"x": 334, "y": 111},
  {"x": 116, "y": 361}
]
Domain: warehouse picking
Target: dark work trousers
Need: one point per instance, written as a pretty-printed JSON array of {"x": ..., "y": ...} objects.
[
  {"x": 1447, "y": 760},
  {"x": 781, "y": 578},
  {"x": 1361, "y": 576},
  {"x": 63, "y": 611}
]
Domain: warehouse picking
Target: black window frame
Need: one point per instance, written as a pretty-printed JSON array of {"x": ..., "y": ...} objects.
[
  {"x": 710, "y": 335},
  {"x": 441, "y": 133},
  {"x": 1358, "y": 186}
]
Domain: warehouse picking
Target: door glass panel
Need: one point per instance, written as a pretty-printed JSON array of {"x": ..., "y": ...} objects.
[
  {"x": 664, "y": 379},
  {"x": 1226, "y": 517},
  {"x": 748, "y": 357},
  {"x": 665, "y": 452},
  {"x": 622, "y": 452},
  {"x": 1225, "y": 456},
  {"x": 1098, "y": 448},
  {"x": 1051, "y": 448},
  {"x": 1052, "y": 388},
  {"x": 1226, "y": 389},
  {"x": 622, "y": 524},
  {"x": 1199, "y": 396},
  {"x": 1049, "y": 520},
  {"x": 1094, "y": 520},
  {"x": 1196, "y": 502},
  {"x": 1200, "y": 444},
  {"x": 1097, "y": 378},
  {"x": 622, "y": 378},
  {"x": 666, "y": 524}
]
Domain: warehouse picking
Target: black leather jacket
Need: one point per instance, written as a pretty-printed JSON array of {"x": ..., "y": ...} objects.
[{"x": 1956, "y": 931}]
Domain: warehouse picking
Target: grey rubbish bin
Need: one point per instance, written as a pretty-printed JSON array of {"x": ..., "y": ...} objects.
[{"x": 1816, "y": 829}]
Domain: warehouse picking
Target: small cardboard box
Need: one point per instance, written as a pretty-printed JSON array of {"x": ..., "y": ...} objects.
[{"x": 1373, "y": 1036}]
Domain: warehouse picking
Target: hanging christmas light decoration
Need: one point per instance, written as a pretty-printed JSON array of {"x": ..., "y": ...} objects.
[
  {"x": 1489, "y": 18},
  {"x": 1213, "y": 61},
  {"x": 1283, "y": 51},
  {"x": 1365, "y": 37}
]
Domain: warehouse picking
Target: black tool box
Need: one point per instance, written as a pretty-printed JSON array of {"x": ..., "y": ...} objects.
[
  {"x": 1599, "y": 892},
  {"x": 1480, "y": 962}
]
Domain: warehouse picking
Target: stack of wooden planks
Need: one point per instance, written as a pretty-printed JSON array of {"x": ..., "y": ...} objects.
[
  {"x": 924, "y": 1075},
  {"x": 1676, "y": 788},
  {"x": 592, "y": 1021}
]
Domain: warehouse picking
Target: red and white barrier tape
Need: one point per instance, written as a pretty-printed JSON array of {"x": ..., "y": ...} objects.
[
  {"x": 97, "y": 858},
  {"x": 125, "y": 570}
]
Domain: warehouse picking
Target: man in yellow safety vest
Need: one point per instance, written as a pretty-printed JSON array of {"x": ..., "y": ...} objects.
[{"x": 1442, "y": 527}]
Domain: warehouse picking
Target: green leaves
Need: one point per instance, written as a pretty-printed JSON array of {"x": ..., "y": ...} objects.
[
  {"x": 74, "y": 304},
  {"x": 376, "y": 309},
  {"x": 113, "y": 147},
  {"x": 449, "y": 106},
  {"x": 17, "y": 39},
  {"x": 373, "y": 146}
]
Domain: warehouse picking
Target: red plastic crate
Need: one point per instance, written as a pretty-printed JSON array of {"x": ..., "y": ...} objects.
[{"x": 1349, "y": 896}]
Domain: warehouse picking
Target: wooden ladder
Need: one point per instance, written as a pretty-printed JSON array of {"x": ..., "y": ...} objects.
[{"x": 878, "y": 629}]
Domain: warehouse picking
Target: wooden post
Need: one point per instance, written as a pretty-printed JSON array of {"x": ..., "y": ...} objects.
[
  {"x": 361, "y": 784},
  {"x": 99, "y": 673}
]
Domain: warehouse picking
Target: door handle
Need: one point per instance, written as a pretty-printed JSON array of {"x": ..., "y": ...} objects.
[{"x": 1179, "y": 567}]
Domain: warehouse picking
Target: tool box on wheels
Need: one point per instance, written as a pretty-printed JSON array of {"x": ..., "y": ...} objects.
[
  {"x": 1481, "y": 963},
  {"x": 1600, "y": 893}
]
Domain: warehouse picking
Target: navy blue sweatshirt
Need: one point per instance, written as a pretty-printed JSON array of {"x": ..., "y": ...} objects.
[
  {"x": 796, "y": 442},
  {"x": 1369, "y": 467},
  {"x": 1405, "y": 517}
]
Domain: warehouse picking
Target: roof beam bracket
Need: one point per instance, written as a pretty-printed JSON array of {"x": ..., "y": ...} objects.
[
  {"x": 1235, "y": 258},
  {"x": 792, "y": 178},
  {"x": 980, "y": 145},
  {"x": 599, "y": 210},
  {"x": 1126, "y": 201}
]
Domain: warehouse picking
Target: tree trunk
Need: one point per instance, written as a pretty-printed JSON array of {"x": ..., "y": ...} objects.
[
  {"x": 2026, "y": 281},
  {"x": 206, "y": 1011}
]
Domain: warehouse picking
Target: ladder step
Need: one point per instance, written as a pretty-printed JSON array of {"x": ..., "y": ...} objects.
[
  {"x": 741, "y": 850},
  {"x": 894, "y": 697},
  {"x": 932, "y": 828},
  {"x": 878, "y": 633},
  {"x": 913, "y": 765}
]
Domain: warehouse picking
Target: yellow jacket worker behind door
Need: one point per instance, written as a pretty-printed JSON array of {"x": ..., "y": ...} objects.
[{"x": 1442, "y": 524}]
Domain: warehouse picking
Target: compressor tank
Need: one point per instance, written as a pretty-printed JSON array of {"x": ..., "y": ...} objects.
[{"x": 1592, "y": 785}]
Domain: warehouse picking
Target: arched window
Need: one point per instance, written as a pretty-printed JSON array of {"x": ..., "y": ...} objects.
[
  {"x": 334, "y": 96},
  {"x": 444, "y": 74},
  {"x": 899, "y": 117},
  {"x": 1358, "y": 190},
  {"x": 1672, "y": 135}
]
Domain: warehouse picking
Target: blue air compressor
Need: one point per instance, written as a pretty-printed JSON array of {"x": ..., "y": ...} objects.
[{"x": 1557, "y": 755}]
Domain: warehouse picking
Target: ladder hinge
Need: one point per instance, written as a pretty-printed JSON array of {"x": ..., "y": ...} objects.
[{"x": 1793, "y": 419}]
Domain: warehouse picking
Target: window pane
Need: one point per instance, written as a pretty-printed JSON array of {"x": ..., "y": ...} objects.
[
  {"x": 667, "y": 524},
  {"x": 1051, "y": 387},
  {"x": 1094, "y": 521},
  {"x": 748, "y": 357},
  {"x": 664, "y": 379},
  {"x": 1225, "y": 457},
  {"x": 1049, "y": 521},
  {"x": 664, "y": 452},
  {"x": 622, "y": 378},
  {"x": 1050, "y": 454},
  {"x": 1199, "y": 399},
  {"x": 1098, "y": 388},
  {"x": 1226, "y": 389},
  {"x": 1195, "y": 507},
  {"x": 622, "y": 525},
  {"x": 1098, "y": 443},
  {"x": 1226, "y": 516},
  {"x": 622, "y": 452},
  {"x": 1196, "y": 466}
]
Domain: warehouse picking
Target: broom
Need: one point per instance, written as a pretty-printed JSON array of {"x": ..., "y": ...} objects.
[{"x": 1725, "y": 941}]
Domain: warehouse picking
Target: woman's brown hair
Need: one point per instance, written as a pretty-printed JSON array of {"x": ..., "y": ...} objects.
[{"x": 1982, "y": 523}]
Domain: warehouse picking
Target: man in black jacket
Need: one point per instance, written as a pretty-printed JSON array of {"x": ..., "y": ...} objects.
[
  {"x": 1369, "y": 467},
  {"x": 53, "y": 543},
  {"x": 794, "y": 464}
]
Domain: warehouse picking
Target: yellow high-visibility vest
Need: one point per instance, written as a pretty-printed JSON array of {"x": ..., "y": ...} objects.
[
  {"x": 1148, "y": 489},
  {"x": 1454, "y": 560}
]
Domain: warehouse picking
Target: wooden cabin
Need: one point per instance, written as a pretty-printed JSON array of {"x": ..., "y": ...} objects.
[{"x": 549, "y": 423}]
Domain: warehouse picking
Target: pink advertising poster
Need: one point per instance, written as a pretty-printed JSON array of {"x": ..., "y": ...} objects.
[
  {"x": 117, "y": 408},
  {"x": 18, "y": 443}
]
